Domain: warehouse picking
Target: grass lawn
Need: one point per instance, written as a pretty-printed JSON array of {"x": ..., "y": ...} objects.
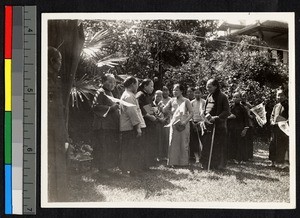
[{"x": 252, "y": 182}]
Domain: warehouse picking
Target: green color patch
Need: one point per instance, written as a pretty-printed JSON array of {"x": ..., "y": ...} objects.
[{"x": 8, "y": 138}]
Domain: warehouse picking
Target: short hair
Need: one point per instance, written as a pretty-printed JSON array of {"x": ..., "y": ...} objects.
[
  {"x": 165, "y": 88},
  {"x": 180, "y": 86},
  {"x": 191, "y": 88},
  {"x": 197, "y": 88},
  {"x": 284, "y": 90},
  {"x": 158, "y": 92},
  {"x": 129, "y": 81},
  {"x": 144, "y": 83},
  {"x": 215, "y": 83},
  {"x": 106, "y": 76}
]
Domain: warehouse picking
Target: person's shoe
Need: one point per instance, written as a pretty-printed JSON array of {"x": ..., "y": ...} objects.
[
  {"x": 125, "y": 173},
  {"x": 235, "y": 161},
  {"x": 134, "y": 173},
  {"x": 284, "y": 166},
  {"x": 272, "y": 164}
]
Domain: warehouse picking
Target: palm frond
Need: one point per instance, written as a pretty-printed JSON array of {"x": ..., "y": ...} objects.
[
  {"x": 81, "y": 90},
  {"x": 110, "y": 61},
  {"x": 92, "y": 47}
]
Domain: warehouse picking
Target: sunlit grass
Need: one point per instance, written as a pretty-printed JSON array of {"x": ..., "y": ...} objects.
[{"x": 252, "y": 182}]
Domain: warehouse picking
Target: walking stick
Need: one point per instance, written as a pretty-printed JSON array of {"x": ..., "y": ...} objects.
[{"x": 211, "y": 147}]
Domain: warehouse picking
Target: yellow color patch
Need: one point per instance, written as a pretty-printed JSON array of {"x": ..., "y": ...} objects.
[{"x": 7, "y": 80}]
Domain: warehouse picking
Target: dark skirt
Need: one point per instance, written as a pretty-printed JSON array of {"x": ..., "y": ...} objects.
[
  {"x": 237, "y": 145},
  {"x": 150, "y": 144},
  {"x": 279, "y": 145},
  {"x": 106, "y": 147},
  {"x": 163, "y": 140},
  {"x": 131, "y": 151},
  {"x": 219, "y": 152},
  {"x": 249, "y": 138}
]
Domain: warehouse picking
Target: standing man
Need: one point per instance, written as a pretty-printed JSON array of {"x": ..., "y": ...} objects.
[
  {"x": 198, "y": 105},
  {"x": 131, "y": 125},
  {"x": 216, "y": 112},
  {"x": 106, "y": 127},
  {"x": 57, "y": 131}
]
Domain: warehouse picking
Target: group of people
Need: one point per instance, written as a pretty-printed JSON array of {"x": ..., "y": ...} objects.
[{"x": 144, "y": 126}]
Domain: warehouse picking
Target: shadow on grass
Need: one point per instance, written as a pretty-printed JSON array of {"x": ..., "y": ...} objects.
[
  {"x": 155, "y": 182},
  {"x": 258, "y": 169},
  {"x": 161, "y": 179},
  {"x": 86, "y": 188},
  {"x": 152, "y": 182}
]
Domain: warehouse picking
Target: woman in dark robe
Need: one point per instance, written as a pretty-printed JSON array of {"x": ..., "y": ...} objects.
[
  {"x": 250, "y": 131},
  {"x": 216, "y": 112},
  {"x": 279, "y": 145},
  {"x": 106, "y": 127},
  {"x": 150, "y": 139},
  {"x": 238, "y": 124}
]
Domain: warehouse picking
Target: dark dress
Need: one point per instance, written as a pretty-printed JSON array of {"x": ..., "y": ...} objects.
[
  {"x": 162, "y": 151},
  {"x": 216, "y": 105},
  {"x": 250, "y": 131},
  {"x": 105, "y": 132},
  {"x": 150, "y": 140},
  {"x": 237, "y": 145},
  {"x": 279, "y": 144}
]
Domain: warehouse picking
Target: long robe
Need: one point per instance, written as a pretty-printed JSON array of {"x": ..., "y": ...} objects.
[
  {"x": 150, "y": 139},
  {"x": 237, "y": 145},
  {"x": 216, "y": 105},
  {"x": 57, "y": 136},
  {"x": 178, "y": 152},
  {"x": 279, "y": 145},
  {"x": 106, "y": 132}
]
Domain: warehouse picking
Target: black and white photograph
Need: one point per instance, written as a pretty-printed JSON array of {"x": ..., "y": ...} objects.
[{"x": 168, "y": 110}]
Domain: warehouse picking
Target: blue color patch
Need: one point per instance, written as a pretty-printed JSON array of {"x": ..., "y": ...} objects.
[{"x": 8, "y": 189}]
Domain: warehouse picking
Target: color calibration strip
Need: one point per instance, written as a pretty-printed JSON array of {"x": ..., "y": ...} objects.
[
  {"x": 8, "y": 108},
  {"x": 20, "y": 110}
]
